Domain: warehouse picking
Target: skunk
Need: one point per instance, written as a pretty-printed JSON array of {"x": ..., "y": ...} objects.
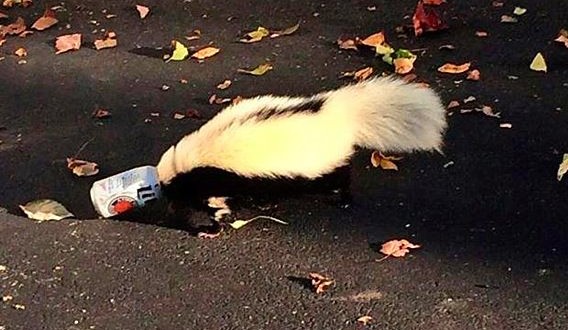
[{"x": 298, "y": 140}]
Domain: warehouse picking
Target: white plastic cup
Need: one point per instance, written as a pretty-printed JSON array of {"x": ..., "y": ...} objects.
[{"x": 126, "y": 190}]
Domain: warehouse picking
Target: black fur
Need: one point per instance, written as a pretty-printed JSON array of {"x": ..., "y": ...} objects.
[
  {"x": 191, "y": 190},
  {"x": 312, "y": 105}
]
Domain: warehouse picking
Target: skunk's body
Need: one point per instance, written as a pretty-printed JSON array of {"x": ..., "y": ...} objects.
[{"x": 302, "y": 138}]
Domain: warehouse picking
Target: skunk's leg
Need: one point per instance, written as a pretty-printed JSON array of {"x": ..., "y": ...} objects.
[{"x": 219, "y": 204}]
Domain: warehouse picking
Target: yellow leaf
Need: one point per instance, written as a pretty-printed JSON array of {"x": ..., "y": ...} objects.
[
  {"x": 258, "y": 71},
  {"x": 538, "y": 63},
  {"x": 180, "y": 52},
  {"x": 255, "y": 35},
  {"x": 286, "y": 31},
  {"x": 241, "y": 223},
  {"x": 519, "y": 11},
  {"x": 205, "y": 53},
  {"x": 563, "y": 168},
  {"x": 384, "y": 49}
]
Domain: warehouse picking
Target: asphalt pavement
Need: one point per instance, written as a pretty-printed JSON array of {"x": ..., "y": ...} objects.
[{"x": 489, "y": 214}]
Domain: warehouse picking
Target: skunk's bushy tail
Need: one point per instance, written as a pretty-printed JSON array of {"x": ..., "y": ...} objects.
[{"x": 390, "y": 115}]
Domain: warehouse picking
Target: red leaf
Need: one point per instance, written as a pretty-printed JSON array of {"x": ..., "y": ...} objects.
[{"x": 426, "y": 19}]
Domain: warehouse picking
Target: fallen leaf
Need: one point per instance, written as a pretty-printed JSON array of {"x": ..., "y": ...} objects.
[
  {"x": 180, "y": 52},
  {"x": 447, "y": 47},
  {"x": 46, "y": 21},
  {"x": 374, "y": 40},
  {"x": 21, "y": 52},
  {"x": 204, "y": 235},
  {"x": 213, "y": 99},
  {"x": 562, "y": 38},
  {"x": 142, "y": 11},
  {"x": 101, "y": 113},
  {"x": 205, "y": 53},
  {"x": 67, "y": 42},
  {"x": 508, "y": 19},
  {"x": 321, "y": 282},
  {"x": 468, "y": 99},
  {"x": 473, "y": 75},
  {"x": 183, "y": 81},
  {"x": 17, "y": 27},
  {"x": 538, "y": 63},
  {"x": 256, "y": 35},
  {"x": 225, "y": 84},
  {"x": 25, "y": 33},
  {"x": 258, "y": 71},
  {"x": 45, "y": 209},
  {"x": 360, "y": 74},
  {"x": 434, "y": 2},
  {"x": 397, "y": 248},
  {"x": 285, "y": 32},
  {"x": 453, "y": 104},
  {"x": 403, "y": 65},
  {"x": 11, "y": 3},
  {"x": 82, "y": 167},
  {"x": 562, "y": 168},
  {"x": 178, "y": 116},
  {"x": 519, "y": 11},
  {"x": 240, "y": 223},
  {"x": 426, "y": 19},
  {"x": 365, "y": 320},
  {"x": 109, "y": 41},
  {"x": 506, "y": 125},
  {"x": 454, "y": 68},
  {"x": 384, "y": 162},
  {"x": 481, "y": 34},
  {"x": 488, "y": 111},
  {"x": 196, "y": 35},
  {"x": 347, "y": 44}
]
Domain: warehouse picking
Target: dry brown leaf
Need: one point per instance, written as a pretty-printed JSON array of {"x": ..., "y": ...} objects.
[
  {"x": 410, "y": 78},
  {"x": 488, "y": 111},
  {"x": 101, "y": 113},
  {"x": 453, "y": 104},
  {"x": 347, "y": 44},
  {"x": 433, "y": 2},
  {"x": 21, "y": 52},
  {"x": 82, "y": 167},
  {"x": 403, "y": 65},
  {"x": 225, "y": 84},
  {"x": 142, "y": 11},
  {"x": 11, "y": 3},
  {"x": 320, "y": 282},
  {"x": 481, "y": 34},
  {"x": 218, "y": 100},
  {"x": 258, "y": 71},
  {"x": 285, "y": 32},
  {"x": 365, "y": 320},
  {"x": 178, "y": 116},
  {"x": 67, "y": 42},
  {"x": 109, "y": 41},
  {"x": 508, "y": 19},
  {"x": 473, "y": 75},
  {"x": 397, "y": 248},
  {"x": 363, "y": 74},
  {"x": 454, "y": 68},
  {"x": 17, "y": 27},
  {"x": 205, "y": 53},
  {"x": 563, "y": 39},
  {"x": 374, "y": 40},
  {"x": 384, "y": 162},
  {"x": 46, "y": 21}
]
